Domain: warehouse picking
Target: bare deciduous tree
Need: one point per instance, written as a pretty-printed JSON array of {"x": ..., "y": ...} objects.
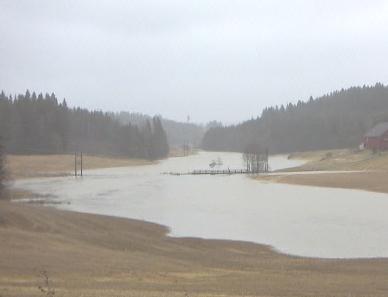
[{"x": 255, "y": 158}]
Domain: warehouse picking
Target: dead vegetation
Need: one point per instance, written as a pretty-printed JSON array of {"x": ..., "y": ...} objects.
[
  {"x": 31, "y": 166},
  {"x": 46, "y": 287},
  {"x": 367, "y": 170},
  {"x": 180, "y": 152},
  {"x": 368, "y": 181},
  {"x": 347, "y": 159},
  {"x": 97, "y": 256}
]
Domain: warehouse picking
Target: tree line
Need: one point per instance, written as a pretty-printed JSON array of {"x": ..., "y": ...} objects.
[
  {"x": 333, "y": 121},
  {"x": 178, "y": 133},
  {"x": 39, "y": 124}
]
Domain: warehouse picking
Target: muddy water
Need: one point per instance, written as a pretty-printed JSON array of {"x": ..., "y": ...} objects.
[{"x": 305, "y": 221}]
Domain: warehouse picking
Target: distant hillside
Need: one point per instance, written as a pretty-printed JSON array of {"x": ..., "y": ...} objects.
[
  {"x": 33, "y": 123},
  {"x": 336, "y": 120},
  {"x": 178, "y": 133}
]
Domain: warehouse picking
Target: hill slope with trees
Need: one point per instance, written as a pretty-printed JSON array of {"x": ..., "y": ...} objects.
[
  {"x": 333, "y": 121},
  {"x": 39, "y": 124},
  {"x": 178, "y": 133}
]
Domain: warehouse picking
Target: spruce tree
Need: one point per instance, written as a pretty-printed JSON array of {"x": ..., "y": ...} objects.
[{"x": 40, "y": 124}]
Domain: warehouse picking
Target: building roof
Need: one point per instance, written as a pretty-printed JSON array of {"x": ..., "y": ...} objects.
[{"x": 378, "y": 130}]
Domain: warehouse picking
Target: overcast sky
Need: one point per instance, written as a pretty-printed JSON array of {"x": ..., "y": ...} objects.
[{"x": 223, "y": 60}]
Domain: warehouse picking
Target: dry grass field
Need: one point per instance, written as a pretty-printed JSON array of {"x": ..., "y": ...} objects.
[
  {"x": 178, "y": 152},
  {"x": 368, "y": 181},
  {"x": 91, "y": 255},
  {"x": 27, "y": 166},
  {"x": 371, "y": 175},
  {"x": 346, "y": 159},
  {"x": 97, "y": 256}
]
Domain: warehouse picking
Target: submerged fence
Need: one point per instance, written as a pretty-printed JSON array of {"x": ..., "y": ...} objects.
[{"x": 216, "y": 172}]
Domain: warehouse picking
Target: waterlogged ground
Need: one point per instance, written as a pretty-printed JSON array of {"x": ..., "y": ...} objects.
[{"x": 305, "y": 221}]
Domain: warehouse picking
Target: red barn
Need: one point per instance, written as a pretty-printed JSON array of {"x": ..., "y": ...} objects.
[{"x": 377, "y": 138}]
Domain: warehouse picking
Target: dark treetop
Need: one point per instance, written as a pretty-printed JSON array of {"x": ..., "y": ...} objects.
[
  {"x": 39, "y": 124},
  {"x": 337, "y": 120}
]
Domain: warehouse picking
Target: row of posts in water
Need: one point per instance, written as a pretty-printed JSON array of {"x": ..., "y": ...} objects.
[{"x": 255, "y": 165}]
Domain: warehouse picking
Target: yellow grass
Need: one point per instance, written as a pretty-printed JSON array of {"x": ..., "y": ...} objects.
[
  {"x": 97, "y": 256},
  {"x": 27, "y": 166},
  {"x": 368, "y": 181},
  {"x": 346, "y": 159},
  {"x": 373, "y": 175},
  {"x": 178, "y": 152},
  {"x": 91, "y": 255}
]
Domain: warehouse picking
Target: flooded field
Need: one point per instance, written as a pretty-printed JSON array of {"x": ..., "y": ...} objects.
[{"x": 304, "y": 221}]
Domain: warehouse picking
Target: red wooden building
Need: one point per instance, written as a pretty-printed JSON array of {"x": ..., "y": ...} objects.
[{"x": 377, "y": 138}]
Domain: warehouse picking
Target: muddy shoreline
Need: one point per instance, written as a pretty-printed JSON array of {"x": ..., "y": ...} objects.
[
  {"x": 96, "y": 255},
  {"x": 359, "y": 170},
  {"x": 99, "y": 255}
]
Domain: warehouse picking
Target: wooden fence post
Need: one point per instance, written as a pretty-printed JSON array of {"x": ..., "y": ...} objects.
[{"x": 81, "y": 165}]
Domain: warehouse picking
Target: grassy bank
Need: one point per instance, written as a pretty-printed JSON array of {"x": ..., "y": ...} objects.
[
  {"x": 368, "y": 181},
  {"x": 96, "y": 256},
  {"x": 347, "y": 159},
  {"x": 372, "y": 170},
  {"x": 91, "y": 255},
  {"x": 28, "y": 166}
]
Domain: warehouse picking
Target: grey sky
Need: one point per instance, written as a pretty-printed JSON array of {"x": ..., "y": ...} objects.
[{"x": 224, "y": 60}]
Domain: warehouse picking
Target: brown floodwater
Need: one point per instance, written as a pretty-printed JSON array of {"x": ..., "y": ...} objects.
[{"x": 299, "y": 220}]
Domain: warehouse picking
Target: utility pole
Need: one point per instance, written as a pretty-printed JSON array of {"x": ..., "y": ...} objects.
[
  {"x": 186, "y": 143},
  {"x": 75, "y": 164},
  {"x": 80, "y": 157},
  {"x": 81, "y": 165}
]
